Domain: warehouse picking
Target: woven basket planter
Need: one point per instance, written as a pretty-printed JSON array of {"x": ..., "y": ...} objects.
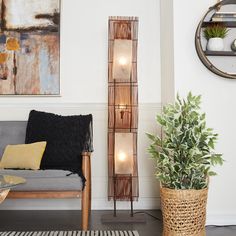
[{"x": 184, "y": 212}]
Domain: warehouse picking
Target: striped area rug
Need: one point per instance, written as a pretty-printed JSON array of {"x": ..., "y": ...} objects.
[{"x": 70, "y": 233}]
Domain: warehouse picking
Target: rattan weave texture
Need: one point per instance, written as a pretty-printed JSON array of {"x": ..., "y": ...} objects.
[{"x": 184, "y": 212}]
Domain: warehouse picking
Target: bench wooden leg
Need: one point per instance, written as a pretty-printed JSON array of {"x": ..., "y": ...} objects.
[
  {"x": 90, "y": 188},
  {"x": 85, "y": 211},
  {"x": 86, "y": 195}
]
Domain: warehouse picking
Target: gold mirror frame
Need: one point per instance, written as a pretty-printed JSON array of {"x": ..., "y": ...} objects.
[{"x": 199, "y": 48}]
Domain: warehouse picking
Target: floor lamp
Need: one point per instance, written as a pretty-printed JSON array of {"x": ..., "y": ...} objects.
[{"x": 122, "y": 116}]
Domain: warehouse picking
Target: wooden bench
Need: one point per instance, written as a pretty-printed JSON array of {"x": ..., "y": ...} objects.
[
  {"x": 85, "y": 195},
  {"x": 13, "y": 132}
]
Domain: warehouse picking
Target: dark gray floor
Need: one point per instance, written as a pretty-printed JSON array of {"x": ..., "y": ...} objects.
[{"x": 70, "y": 220}]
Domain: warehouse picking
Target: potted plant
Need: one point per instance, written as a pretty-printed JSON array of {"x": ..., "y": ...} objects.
[
  {"x": 215, "y": 34},
  {"x": 184, "y": 157}
]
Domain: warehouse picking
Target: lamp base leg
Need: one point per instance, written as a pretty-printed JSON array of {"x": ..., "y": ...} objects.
[{"x": 123, "y": 218}]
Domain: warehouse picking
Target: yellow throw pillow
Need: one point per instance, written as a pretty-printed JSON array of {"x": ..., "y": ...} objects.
[{"x": 23, "y": 156}]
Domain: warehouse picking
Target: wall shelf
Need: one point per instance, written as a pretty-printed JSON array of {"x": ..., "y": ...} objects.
[
  {"x": 228, "y": 24},
  {"x": 220, "y": 53},
  {"x": 222, "y": 63}
]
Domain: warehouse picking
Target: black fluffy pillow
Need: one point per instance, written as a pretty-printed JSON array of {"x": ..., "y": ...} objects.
[{"x": 67, "y": 137}]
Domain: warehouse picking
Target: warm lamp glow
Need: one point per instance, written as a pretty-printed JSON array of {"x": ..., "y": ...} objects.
[
  {"x": 123, "y": 153},
  {"x": 121, "y": 156},
  {"x": 122, "y": 107},
  {"x": 122, "y": 61}
]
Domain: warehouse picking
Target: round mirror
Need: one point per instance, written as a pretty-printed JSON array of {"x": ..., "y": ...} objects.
[{"x": 215, "y": 39}]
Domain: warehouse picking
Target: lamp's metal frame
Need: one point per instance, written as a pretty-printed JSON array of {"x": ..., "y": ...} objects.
[
  {"x": 122, "y": 187},
  {"x": 126, "y": 120},
  {"x": 123, "y": 177}
]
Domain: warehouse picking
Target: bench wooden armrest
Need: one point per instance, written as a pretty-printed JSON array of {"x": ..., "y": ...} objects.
[{"x": 86, "y": 194}]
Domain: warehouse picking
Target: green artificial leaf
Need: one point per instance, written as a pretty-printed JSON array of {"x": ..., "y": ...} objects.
[
  {"x": 212, "y": 173},
  {"x": 151, "y": 136},
  {"x": 216, "y": 159}
]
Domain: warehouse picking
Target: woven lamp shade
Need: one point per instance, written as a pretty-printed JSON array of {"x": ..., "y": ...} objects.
[{"x": 122, "y": 108}]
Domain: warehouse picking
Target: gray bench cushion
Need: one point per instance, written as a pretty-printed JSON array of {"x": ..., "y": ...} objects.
[{"x": 46, "y": 180}]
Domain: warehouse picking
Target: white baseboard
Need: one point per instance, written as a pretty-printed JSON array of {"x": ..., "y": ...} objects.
[{"x": 221, "y": 219}]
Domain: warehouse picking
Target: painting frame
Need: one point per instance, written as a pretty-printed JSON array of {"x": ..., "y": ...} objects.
[{"x": 44, "y": 31}]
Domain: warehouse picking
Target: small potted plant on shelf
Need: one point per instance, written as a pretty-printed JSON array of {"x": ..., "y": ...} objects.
[
  {"x": 184, "y": 157},
  {"x": 215, "y": 34}
]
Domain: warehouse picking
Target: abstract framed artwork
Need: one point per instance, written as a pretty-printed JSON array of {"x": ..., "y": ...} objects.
[{"x": 30, "y": 47}]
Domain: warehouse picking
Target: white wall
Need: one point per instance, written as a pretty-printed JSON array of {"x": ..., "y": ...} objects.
[
  {"x": 219, "y": 103},
  {"x": 84, "y": 90},
  {"x": 167, "y": 52}
]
